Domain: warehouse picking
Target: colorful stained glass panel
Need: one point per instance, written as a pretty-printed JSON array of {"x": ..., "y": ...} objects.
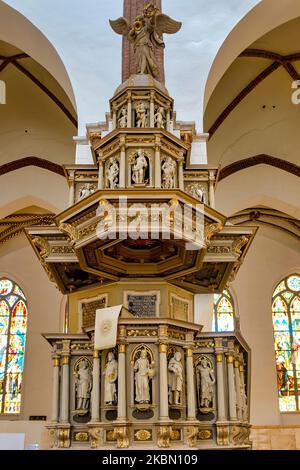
[
  {"x": 4, "y": 324},
  {"x": 15, "y": 363},
  {"x": 4, "y": 309},
  {"x": 6, "y": 286},
  {"x": 224, "y": 306},
  {"x": 282, "y": 341},
  {"x": 16, "y": 344},
  {"x": 18, "y": 325},
  {"x": 281, "y": 321},
  {"x": 19, "y": 292},
  {"x": 12, "y": 300},
  {"x": 293, "y": 283},
  {"x": 287, "y": 403},
  {"x": 19, "y": 309},
  {"x": 281, "y": 287},
  {"x": 225, "y": 322}
]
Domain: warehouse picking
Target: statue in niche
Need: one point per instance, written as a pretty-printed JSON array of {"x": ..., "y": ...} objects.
[
  {"x": 206, "y": 381},
  {"x": 146, "y": 36},
  {"x": 123, "y": 119},
  {"x": 86, "y": 190},
  {"x": 110, "y": 376},
  {"x": 159, "y": 118},
  {"x": 83, "y": 386},
  {"x": 113, "y": 173},
  {"x": 141, "y": 115},
  {"x": 139, "y": 168},
  {"x": 175, "y": 369},
  {"x": 143, "y": 374},
  {"x": 168, "y": 173},
  {"x": 243, "y": 400},
  {"x": 198, "y": 192}
]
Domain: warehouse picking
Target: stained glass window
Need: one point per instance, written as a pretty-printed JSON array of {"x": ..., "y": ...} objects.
[
  {"x": 13, "y": 326},
  {"x": 223, "y": 312},
  {"x": 286, "y": 324}
]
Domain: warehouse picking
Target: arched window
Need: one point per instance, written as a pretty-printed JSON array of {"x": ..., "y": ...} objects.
[
  {"x": 223, "y": 312},
  {"x": 286, "y": 323},
  {"x": 13, "y": 325}
]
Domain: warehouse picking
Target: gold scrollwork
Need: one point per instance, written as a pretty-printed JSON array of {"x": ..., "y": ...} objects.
[
  {"x": 205, "y": 434},
  {"x": 81, "y": 436}
]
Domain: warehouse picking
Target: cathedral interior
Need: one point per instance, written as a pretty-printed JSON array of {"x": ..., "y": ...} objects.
[{"x": 149, "y": 270}]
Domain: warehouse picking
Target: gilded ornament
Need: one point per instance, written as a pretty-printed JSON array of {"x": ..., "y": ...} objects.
[
  {"x": 204, "y": 434},
  {"x": 143, "y": 435},
  {"x": 121, "y": 435},
  {"x": 81, "y": 436}
]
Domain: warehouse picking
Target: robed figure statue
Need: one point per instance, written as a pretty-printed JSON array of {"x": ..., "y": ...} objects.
[{"x": 146, "y": 34}]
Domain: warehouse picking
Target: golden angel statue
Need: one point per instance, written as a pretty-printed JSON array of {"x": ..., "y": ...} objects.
[{"x": 146, "y": 34}]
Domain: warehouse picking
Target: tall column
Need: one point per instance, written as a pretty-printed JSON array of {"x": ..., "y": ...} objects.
[
  {"x": 180, "y": 175},
  {"x": 129, "y": 110},
  {"x": 157, "y": 164},
  {"x": 122, "y": 405},
  {"x": 168, "y": 124},
  {"x": 231, "y": 388},
  {"x": 163, "y": 383},
  {"x": 100, "y": 174},
  {"x": 238, "y": 390},
  {"x": 133, "y": 8},
  {"x": 190, "y": 382},
  {"x": 72, "y": 188},
  {"x": 243, "y": 391},
  {"x": 211, "y": 190},
  {"x": 152, "y": 110},
  {"x": 55, "y": 393},
  {"x": 220, "y": 388},
  {"x": 96, "y": 388},
  {"x": 122, "y": 178},
  {"x": 114, "y": 118},
  {"x": 65, "y": 387}
]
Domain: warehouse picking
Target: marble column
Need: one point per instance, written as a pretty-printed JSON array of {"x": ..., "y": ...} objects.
[
  {"x": 114, "y": 118},
  {"x": 95, "y": 398},
  {"x": 55, "y": 388},
  {"x": 180, "y": 175},
  {"x": 72, "y": 188},
  {"x": 163, "y": 383},
  {"x": 211, "y": 190},
  {"x": 157, "y": 165},
  {"x": 243, "y": 390},
  {"x": 168, "y": 125},
  {"x": 190, "y": 382},
  {"x": 129, "y": 110},
  {"x": 238, "y": 390},
  {"x": 122, "y": 176},
  {"x": 100, "y": 174},
  {"x": 152, "y": 110},
  {"x": 231, "y": 388},
  {"x": 122, "y": 404},
  {"x": 65, "y": 388},
  {"x": 220, "y": 388}
]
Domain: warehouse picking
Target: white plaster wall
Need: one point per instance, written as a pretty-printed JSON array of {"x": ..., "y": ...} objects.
[{"x": 19, "y": 262}]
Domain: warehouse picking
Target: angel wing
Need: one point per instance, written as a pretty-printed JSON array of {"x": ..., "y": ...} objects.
[
  {"x": 120, "y": 26},
  {"x": 165, "y": 24}
]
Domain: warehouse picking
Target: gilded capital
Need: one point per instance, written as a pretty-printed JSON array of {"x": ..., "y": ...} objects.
[
  {"x": 236, "y": 364},
  {"x": 122, "y": 348},
  {"x": 96, "y": 354},
  {"x": 56, "y": 361},
  {"x": 65, "y": 360},
  {"x": 230, "y": 359},
  {"x": 163, "y": 348},
  {"x": 219, "y": 357},
  {"x": 189, "y": 352}
]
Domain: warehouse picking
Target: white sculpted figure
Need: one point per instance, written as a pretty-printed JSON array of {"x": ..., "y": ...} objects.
[
  {"x": 113, "y": 173},
  {"x": 146, "y": 36},
  {"x": 143, "y": 373},
  {"x": 141, "y": 115},
  {"x": 86, "y": 190},
  {"x": 83, "y": 386},
  {"x": 175, "y": 379},
  {"x": 169, "y": 172},
  {"x": 207, "y": 380},
  {"x": 159, "y": 118},
  {"x": 111, "y": 375},
  {"x": 123, "y": 118},
  {"x": 139, "y": 168}
]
